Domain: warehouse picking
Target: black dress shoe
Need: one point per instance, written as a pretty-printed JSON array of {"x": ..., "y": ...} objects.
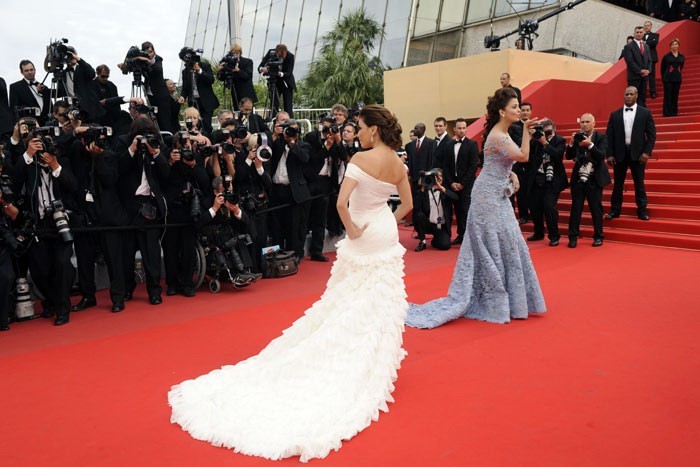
[
  {"x": 534, "y": 238},
  {"x": 572, "y": 242},
  {"x": 523, "y": 220},
  {"x": 84, "y": 303},
  {"x": 320, "y": 258},
  {"x": 171, "y": 290},
  {"x": 155, "y": 299},
  {"x": 188, "y": 292},
  {"x": 457, "y": 241},
  {"x": 598, "y": 242},
  {"x": 117, "y": 307},
  {"x": 611, "y": 215},
  {"x": 643, "y": 216},
  {"x": 421, "y": 246},
  {"x": 128, "y": 296},
  {"x": 554, "y": 242},
  {"x": 61, "y": 320}
]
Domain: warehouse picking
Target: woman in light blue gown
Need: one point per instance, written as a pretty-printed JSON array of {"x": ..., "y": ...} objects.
[{"x": 494, "y": 279}]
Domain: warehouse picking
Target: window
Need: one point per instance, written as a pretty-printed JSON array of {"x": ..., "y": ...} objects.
[
  {"x": 452, "y": 14},
  {"x": 479, "y": 10},
  {"x": 426, "y": 17}
]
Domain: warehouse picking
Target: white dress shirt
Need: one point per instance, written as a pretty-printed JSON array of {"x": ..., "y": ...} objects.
[
  {"x": 628, "y": 119},
  {"x": 35, "y": 93},
  {"x": 281, "y": 176}
]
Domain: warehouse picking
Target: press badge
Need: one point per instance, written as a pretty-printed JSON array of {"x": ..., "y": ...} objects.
[{"x": 89, "y": 198}]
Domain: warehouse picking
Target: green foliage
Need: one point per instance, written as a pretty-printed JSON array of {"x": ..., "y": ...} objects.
[{"x": 344, "y": 72}]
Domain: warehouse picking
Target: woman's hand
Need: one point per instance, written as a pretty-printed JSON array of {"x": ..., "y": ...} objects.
[
  {"x": 356, "y": 232},
  {"x": 516, "y": 183}
]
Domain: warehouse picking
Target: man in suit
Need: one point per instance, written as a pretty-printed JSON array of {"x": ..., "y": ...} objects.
[
  {"x": 420, "y": 156},
  {"x": 460, "y": 160},
  {"x": 5, "y": 112},
  {"x": 441, "y": 138},
  {"x": 505, "y": 83},
  {"x": 520, "y": 168},
  {"x": 638, "y": 60},
  {"x": 254, "y": 122},
  {"x": 290, "y": 155},
  {"x": 589, "y": 176},
  {"x": 236, "y": 71},
  {"x": 432, "y": 216},
  {"x": 198, "y": 92},
  {"x": 652, "y": 40},
  {"x": 631, "y": 136},
  {"x": 106, "y": 93},
  {"x": 546, "y": 179},
  {"x": 79, "y": 76},
  {"x": 284, "y": 82},
  {"x": 27, "y": 92},
  {"x": 156, "y": 89}
]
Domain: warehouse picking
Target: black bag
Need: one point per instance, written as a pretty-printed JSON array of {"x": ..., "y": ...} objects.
[{"x": 279, "y": 263}]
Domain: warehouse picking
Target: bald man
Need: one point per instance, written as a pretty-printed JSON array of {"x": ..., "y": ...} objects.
[{"x": 590, "y": 175}]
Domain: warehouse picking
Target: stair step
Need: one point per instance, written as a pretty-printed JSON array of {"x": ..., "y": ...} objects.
[
  {"x": 656, "y": 224},
  {"x": 667, "y": 163},
  {"x": 678, "y": 144},
  {"x": 655, "y": 210},
  {"x": 681, "y": 200},
  {"x": 675, "y": 153}
]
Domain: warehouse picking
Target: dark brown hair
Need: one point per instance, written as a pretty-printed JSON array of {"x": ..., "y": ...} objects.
[
  {"x": 495, "y": 104},
  {"x": 387, "y": 125}
]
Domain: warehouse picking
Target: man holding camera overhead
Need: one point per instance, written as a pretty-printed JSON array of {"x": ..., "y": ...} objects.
[
  {"x": 590, "y": 175},
  {"x": 278, "y": 66},
  {"x": 198, "y": 92},
  {"x": 290, "y": 155},
  {"x": 546, "y": 179}
]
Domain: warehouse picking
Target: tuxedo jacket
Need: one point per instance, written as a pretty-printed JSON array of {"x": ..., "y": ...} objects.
[
  {"x": 22, "y": 96},
  {"x": 84, "y": 89},
  {"x": 248, "y": 180},
  {"x": 130, "y": 172},
  {"x": 643, "y": 134},
  {"x": 297, "y": 159},
  {"x": 5, "y": 112},
  {"x": 555, "y": 149},
  {"x": 317, "y": 157},
  {"x": 440, "y": 147},
  {"x": 155, "y": 81},
  {"x": 287, "y": 69},
  {"x": 204, "y": 80},
  {"x": 243, "y": 80},
  {"x": 423, "y": 203},
  {"x": 517, "y": 91},
  {"x": 596, "y": 154},
  {"x": 464, "y": 172},
  {"x": 636, "y": 62},
  {"x": 112, "y": 106},
  {"x": 652, "y": 40},
  {"x": 420, "y": 160},
  {"x": 256, "y": 124}
]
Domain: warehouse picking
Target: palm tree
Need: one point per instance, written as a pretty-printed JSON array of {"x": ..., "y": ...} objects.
[{"x": 345, "y": 72}]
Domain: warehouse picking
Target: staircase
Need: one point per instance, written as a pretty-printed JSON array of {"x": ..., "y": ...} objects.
[{"x": 672, "y": 176}]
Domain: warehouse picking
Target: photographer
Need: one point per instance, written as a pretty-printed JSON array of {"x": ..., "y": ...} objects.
[
  {"x": 219, "y": 161},
  {"x": 290, "y": 191},
  {"x": 349, "y": 146},
  {"x": 252, "y": 121},
  {"x": 8, "y": 244},
  {"x": 45, "y": 181},
  {"x": 198, "y": 92},
  {"x": 186, "y": 186},
  {"x": 429, "y": 214},
  {"x": 277, "y": 129},
  {"x": 28, "y": 92},
  {"x": 226, "y": 226},
  {"x": 143, "y": 171},
  {"x": 588, "y": 178},
  {"x": 193, "y": 124},
  {"x": 546, "y": 178},
  {"x": 79, "y": 76},
  {"x": 97, "y": 204},
  {"x": 278, "y": 67},
  {"x": 236, "y": 72}
]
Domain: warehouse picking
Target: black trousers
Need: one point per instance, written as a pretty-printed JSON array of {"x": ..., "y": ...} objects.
[
  {"x": 164, "y": 115},
  {"x": 459, "y": 208},
  {"x": 641, "y": 85},
  {"x": 286, "y": 94},
  {"x": 318, "y": 212},
  {"x": 620, "y": 174},
  {"x": 543, "y": 207},
  {"x": 52, "y": 271},
  {"x": 594, "y": 194},
  {"x": 148, "y": 242},
  {"x": 178, "y": 256},
  {"x": 86, "y": 244},
  {"x": 441, "y": 234},
  {"x": 289, "y": 224},
  {"x": 671, "y": 91},
  {"x": 113, "y": 250},
  {"x": 652, "y": 79},
  {"x": 7, "y": 282},
  {"x": 521, "y": 195}
]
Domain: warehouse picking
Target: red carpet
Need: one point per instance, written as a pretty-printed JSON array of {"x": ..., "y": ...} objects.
[{"x": 609, "y": 376}]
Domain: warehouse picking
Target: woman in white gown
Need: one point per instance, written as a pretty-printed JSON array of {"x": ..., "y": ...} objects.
[{"x": 328, "y": 375}]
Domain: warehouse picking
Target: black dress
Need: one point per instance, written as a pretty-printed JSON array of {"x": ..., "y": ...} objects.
[{"x": 671, "y": 67}]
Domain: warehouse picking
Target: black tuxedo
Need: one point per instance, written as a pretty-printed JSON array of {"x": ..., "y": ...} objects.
[
  {"x": 423, "y": 159},
  {"x": 289, "y": 224},
  {"x": 159, "y": 94},
  {"x": 84, "y": 89},
  {"x": 652, "y": 40},
  {"x": 517, "y": 91},
  {"x": 515, "y": 131},
  {"x": 543, "y": 195},
  {"x": 207, "y": 101},
  {"x": 112, "y": 107},
  {"x": 642, "y": 142},
  {"x": 440, "y": 146},
  {"x": 462, "y": 171},
  {"x": 22, "y": 96},
  {"x": 242, "y": 82},
  {"x": 592, "y": 190},
  {"x": 5, "y": 112},
  {"x": 256, "y": 124},
  {"x": 286, "y": 85},
  {"x": 440, "y": 231},
  {"x": 636, "y": 62}
]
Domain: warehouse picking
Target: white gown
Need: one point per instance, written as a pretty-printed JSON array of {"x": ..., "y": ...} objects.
[{"x": 327, "y": 376}]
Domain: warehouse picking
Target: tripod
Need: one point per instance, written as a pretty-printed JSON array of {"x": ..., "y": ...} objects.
[
  {"x": 138, "y": 89},
  {"x": 272, "y": 100},
  {"x": 193, "y": 97},
  {"x": 230, "y": 100}
]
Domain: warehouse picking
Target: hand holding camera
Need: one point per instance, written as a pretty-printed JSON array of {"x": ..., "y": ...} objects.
[
  {"x": 94, "y": 148},
  {"x": 34, "y": 146},
  {"x": 49, "y": 159},
  {"x": 581, "y": 139}
]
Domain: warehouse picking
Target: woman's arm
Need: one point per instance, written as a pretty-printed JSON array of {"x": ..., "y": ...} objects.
[
  {"x": 406, "y": 206},
  {"x": 347, "y": 187}
]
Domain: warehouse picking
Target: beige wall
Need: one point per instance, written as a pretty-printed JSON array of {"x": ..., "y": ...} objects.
[{"x": 459, "y": 88}]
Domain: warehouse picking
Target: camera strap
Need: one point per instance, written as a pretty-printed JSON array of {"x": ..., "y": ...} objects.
[
  {"x": 437, "y": 216},
  {"x": 45, "y": 191}
]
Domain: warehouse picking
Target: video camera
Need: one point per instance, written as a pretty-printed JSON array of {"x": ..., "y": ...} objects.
[
  {"x": 190, "y": 56},
  {"x": 231, "y": 61},
  {"x": 273, "y": 63},
  {"x": 131, "y": 65},
  {"x": 428, "y": 178},
  {"x": 57, "y": 55}
]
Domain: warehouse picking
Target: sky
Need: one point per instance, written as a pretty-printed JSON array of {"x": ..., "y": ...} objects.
[{"x": 100, "y": 30}]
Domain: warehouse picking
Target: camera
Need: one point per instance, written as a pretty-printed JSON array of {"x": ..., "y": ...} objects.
[
  {"x": 208, "y": 151},
  {"x": 147, "y": 139},
  {"x": 6, "y": 188},
  {"x": 231, "y": 61},
  {"x": 231, "y": 197},
  {"x": 228, "y": 148},
  {"x": 190, "y": 195},
  {"x": 264, "y": 150},
  {"x": 190, "y": 56},
  {"x": 146, "y": 109},
  {"x": 289, "y": 130},
  {"x": 26, "y": 112},
  {"x": 29, "y": 124},
  {"x": 57, "y": 55},
  {"x": 189, "y": 124},
  {"x": 354, "y": 147},
  {"x": 273, "y": 64},
  {"x": 428, "y": 178},
  {"x": 578, "y": 137},
  {"x": 334, "y": 129},
  {"x": 539, "y": 131},
  {"x": 131, "y": 64},
  {"x": 97, "y": 135},
  {"x": 45, "y": 134},
  {"x": 186, "y": 155},
  {"x": 60, "y": 218}
]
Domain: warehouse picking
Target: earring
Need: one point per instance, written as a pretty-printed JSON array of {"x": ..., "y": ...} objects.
[{"x": 371, "y": 138}]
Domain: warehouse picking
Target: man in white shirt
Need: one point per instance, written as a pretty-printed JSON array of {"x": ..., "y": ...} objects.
[{"x": 27, "y": 92}]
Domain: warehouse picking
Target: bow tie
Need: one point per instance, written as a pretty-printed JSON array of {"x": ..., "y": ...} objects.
[
  {"x": 629, "y": 108},
  {"x": 459, "y": 141},
  {"x": 33, "y": 83}
]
